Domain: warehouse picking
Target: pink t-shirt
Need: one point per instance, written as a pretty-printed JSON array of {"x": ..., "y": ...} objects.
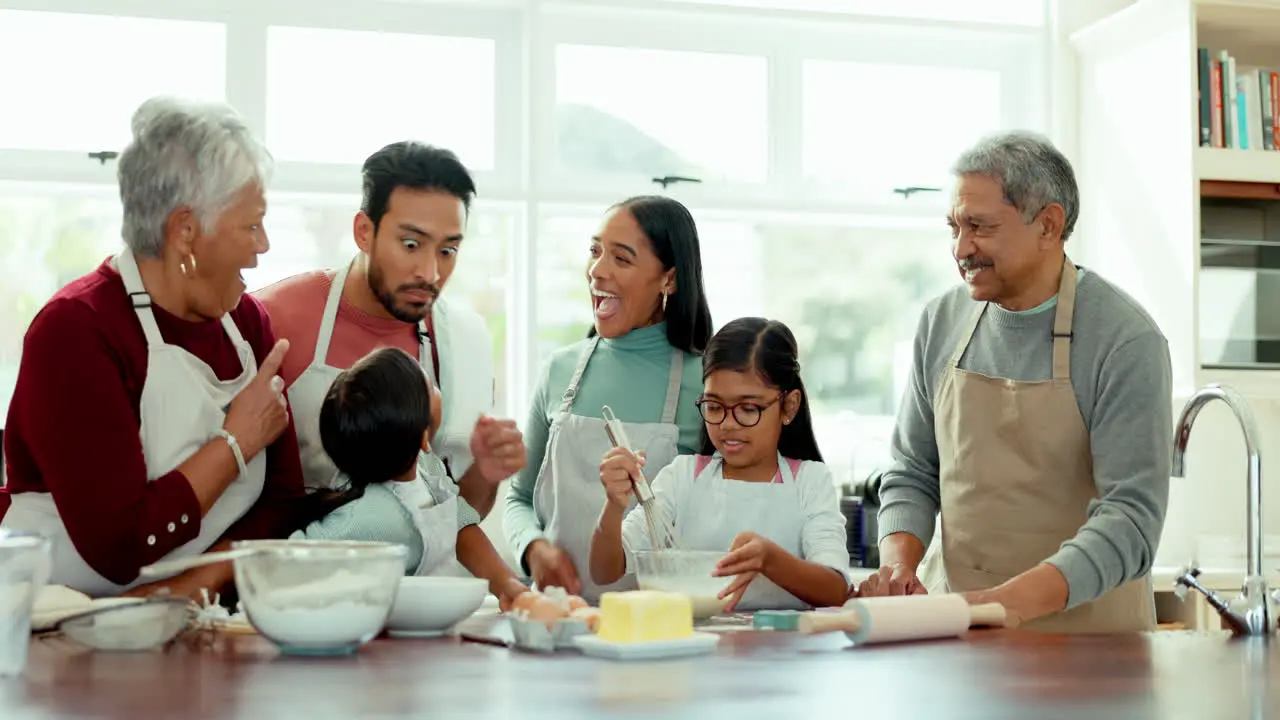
[{"x": 295, "y": 306}]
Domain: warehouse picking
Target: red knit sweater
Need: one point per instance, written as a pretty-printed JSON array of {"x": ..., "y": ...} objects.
[{"x": 73, "y": 427}]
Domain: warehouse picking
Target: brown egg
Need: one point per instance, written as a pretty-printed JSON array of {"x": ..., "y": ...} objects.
[
  {"x": 546, "y": 611},
  {"x": 589, "y": 615},
  {"x": 576, "y": 603},
  {"x": 525, "y": 602}
]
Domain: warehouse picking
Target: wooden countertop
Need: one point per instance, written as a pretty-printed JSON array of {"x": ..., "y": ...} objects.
[{"x": 986, "y": 674}]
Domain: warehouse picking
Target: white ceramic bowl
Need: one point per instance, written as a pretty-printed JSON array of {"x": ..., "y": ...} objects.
[
  {"x": 429, "y": 606},
  {"x": 684, "y": 571},
  {"x": 318, "y": 597}
]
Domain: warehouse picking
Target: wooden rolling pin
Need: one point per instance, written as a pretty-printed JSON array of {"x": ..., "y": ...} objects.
[{"x": 899, "y": 618}]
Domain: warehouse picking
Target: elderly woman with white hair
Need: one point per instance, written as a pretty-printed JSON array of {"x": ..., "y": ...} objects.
[{"x": 148, "y": 422}]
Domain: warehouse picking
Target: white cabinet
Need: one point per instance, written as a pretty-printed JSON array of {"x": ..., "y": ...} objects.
[{"x": 1140, "y": 167}]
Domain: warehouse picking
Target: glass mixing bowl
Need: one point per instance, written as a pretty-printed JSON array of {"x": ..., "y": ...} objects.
[
  {"x": 24, "y": 569},
  {"x": 683, "y": 571},
  {"x": 318, "y": 597}
]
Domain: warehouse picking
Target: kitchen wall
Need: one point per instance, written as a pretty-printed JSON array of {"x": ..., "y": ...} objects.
[{"x": 1211, "y": 499}]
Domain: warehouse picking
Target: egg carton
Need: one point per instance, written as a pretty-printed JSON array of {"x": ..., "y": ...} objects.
[{"x": 536, "y": 636}]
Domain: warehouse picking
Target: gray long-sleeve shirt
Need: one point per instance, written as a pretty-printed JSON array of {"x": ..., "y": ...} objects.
[{"x": 1123, "y": 382}]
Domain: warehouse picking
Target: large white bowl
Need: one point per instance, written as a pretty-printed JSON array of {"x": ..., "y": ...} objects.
[
  {"x": 318, "y": 597},
  {"x": 429, "y": 606},
  {"x": 684, "y": 571}
]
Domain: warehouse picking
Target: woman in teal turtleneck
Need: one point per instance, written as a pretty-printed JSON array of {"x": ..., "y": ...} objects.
[{"x": 642, "y": 358}]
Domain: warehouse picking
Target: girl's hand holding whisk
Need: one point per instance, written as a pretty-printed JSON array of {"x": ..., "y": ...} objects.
[{"x": 617, "y": 469}]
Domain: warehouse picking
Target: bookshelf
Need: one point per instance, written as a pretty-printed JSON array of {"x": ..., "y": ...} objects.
[
  {"x": 1238, "y": 75},
  {"x": 1148, "y": 189},
  {"x": 1140, "y": 162},
  {"x": 1256, "y": 166}
]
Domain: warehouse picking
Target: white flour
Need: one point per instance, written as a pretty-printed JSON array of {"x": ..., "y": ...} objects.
[
  {"x": 342, "y": 586},
  {"x": 323, "y": 614},
  {"x": 320, "y": 628}
]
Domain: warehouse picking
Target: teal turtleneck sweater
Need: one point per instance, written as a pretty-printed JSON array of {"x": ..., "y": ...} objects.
[{"x": 629, "y": 374}]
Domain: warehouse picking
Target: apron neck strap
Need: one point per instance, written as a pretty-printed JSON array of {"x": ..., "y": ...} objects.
[
  {"x": 329, "y": 318},
  {"x": 968, "y": 335},
  {"x": 330, "y": 314},
  {"x": 571, "y": 390},
  {"x": 1062, "y": 321},
  {"x": 127, "y": 266},
  {"x": 424, "y": 351},
  {"x": 787, "y": 468},
  {"x": 675, "y": 376},
  {"x": 701, "y": 463},
  {"x": 1063, "y": 316},
  {"x": 786, "y": 474}
]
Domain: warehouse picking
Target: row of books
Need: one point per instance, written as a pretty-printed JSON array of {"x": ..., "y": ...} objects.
[{"x": 1239, "y": 105}]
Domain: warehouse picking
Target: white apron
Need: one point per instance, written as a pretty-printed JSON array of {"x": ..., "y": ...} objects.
[
  {"x": 1016, "y": 480},
  {"x": 568, "y": 495},
  {"x": 716, "y": 510},
  {"x": 437, "y": 522},
  {"x": 427, "y": 499},
  {"x": 181, "y": 409}
]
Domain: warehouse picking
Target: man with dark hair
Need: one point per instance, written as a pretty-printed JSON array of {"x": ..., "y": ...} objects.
[{"x": 409, "y": 230}]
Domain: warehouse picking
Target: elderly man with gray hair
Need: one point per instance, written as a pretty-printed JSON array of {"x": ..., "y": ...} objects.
[
  {"x": 1036, "y": 424},
  {"x": 148, "y": 421}
]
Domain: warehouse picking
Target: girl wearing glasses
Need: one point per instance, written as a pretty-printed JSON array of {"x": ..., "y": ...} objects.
[{"x": 758, "y": 488}]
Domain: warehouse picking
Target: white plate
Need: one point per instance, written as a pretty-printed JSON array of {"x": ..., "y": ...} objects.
[
  {"x": 696, "y": 644},
  {"x": 416, "y": 633}
]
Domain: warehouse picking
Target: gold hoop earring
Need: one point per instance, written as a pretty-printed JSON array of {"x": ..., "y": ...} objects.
[{"x": 183, "y": 267}]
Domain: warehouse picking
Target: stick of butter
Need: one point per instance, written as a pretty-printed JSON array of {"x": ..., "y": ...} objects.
[{"x": 644, "y": 616}]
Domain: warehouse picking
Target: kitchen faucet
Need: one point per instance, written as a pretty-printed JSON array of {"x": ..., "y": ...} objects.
[{"x": 1254, "y": 610}]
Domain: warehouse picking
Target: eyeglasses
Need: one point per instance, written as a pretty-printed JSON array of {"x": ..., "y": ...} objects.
[{"x": 746, "y": 414}]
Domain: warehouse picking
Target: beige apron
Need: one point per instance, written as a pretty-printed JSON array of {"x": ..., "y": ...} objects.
[{"x": 1016, "y": 479}]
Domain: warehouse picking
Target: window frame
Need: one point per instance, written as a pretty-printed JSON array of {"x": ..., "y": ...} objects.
[
  {"x": 526, "y": 33},
  {"x": 785, "y": 43},
  {"x": 246, "y": 24}
]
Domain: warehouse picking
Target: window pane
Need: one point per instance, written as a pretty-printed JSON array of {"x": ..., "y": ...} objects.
[
  {"x": 1012, "y": 12},
  {"x": 852, "y": 294},
  {"x": 853, "y": 299},
  {"x": 78, "y": 78},
  {"x": 730, "y": 252},
  {"x": 564, "y": 302},
  {"x": 308, "y": 232},
  {"x": 327, "y": 99},
  {"x": 659, "y": 112},
  {"x": 49, "y": 236},
  {"x": 926, "y": 116}
]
